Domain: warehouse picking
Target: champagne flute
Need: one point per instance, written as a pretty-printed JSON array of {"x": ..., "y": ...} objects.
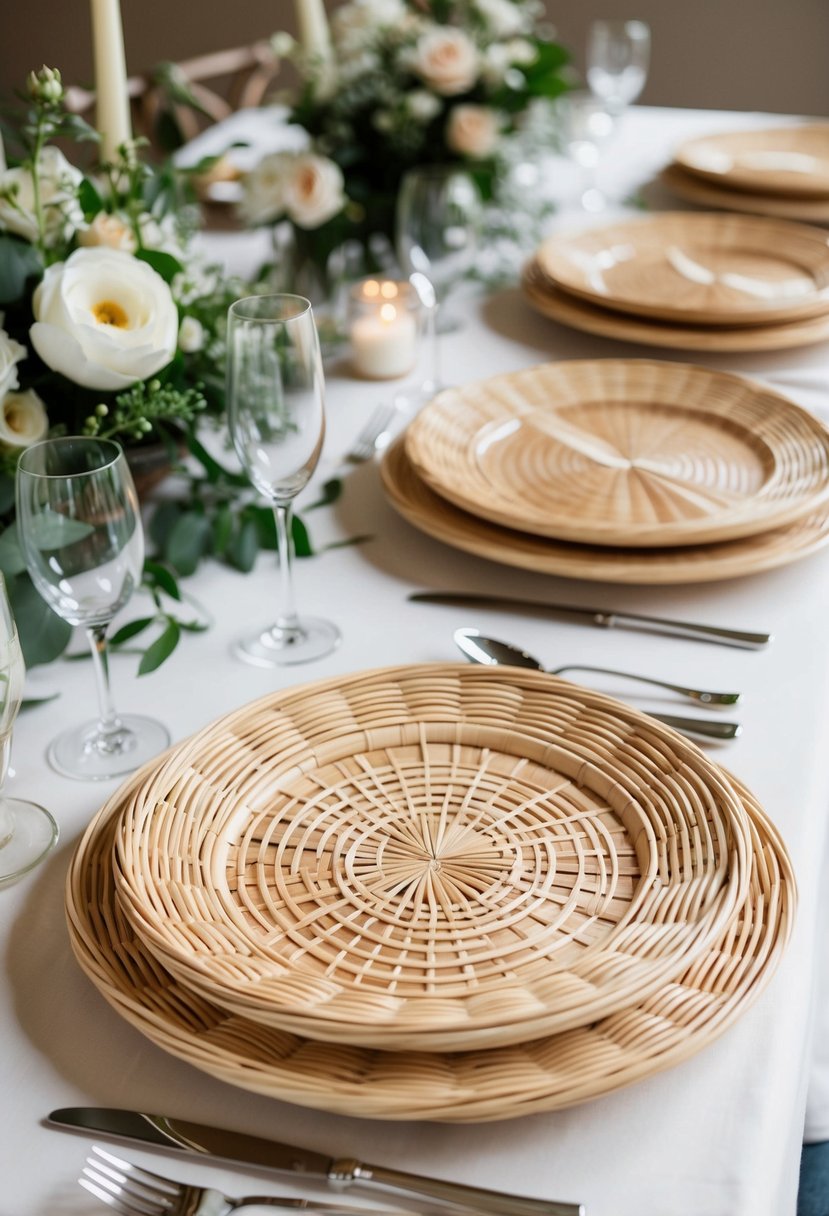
[
  {"x": 276, "y": 414},
  {"x": 618, "y": 53},
  {"x": 80, "y": 531},
  {"x": 586, "y": 126},
  {"x": 437, "y": 218},
  {"x": 27, "y": 831}
]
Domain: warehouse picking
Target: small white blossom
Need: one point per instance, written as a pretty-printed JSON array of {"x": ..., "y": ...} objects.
[
  {"x": 503, "y": 17},
  {"x": 422, "y": 105},
  {"x": 190, "y": 335}
]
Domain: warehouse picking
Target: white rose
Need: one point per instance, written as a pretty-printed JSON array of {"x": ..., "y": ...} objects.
[
  {"x": 521, "y": 51},
  {"x": 502, "y": 17},
  {"x": 263, "y": 189},
  {"x": 446, "y": 59},
  {"x": 11, "y": 352},
  {"x": 190, "y": 335},
  {"x": 23, "y": 419},
  {"x": 473, "y": 130},
  {"x": 104, "y": 319},
  {"x": 59, "y": 182},
  {"x": 109, "y": 230},
  {"x": 422, "y": 105},
  {"x": 313, "y": 192}
]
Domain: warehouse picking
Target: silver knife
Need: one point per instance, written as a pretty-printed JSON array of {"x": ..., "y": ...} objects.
[
  {"x": 604, "y": 617},
  {"x": 199, "y": 1140}
]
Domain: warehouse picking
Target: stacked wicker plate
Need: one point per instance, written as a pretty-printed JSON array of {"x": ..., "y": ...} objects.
[
  {"x": 620, "y": 470},
  {"x": 693, "y": 281},
  {"x": 431, "y": 892},
  {"x": 782, "y": 172}
]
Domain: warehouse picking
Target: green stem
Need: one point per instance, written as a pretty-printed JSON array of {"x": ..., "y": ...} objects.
[{"x": 36, "y": 194}]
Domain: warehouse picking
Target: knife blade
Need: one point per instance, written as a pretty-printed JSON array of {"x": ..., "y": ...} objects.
[
  {"x": 605, "y": 618},
  {"x": 197, "y": 1139}
]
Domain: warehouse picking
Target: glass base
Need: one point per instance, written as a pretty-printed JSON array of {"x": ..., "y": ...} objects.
[
  {"x": 32, "y": 834},
  {"x": 87, "y": 755},
  {"x": 312, "y": 638}
]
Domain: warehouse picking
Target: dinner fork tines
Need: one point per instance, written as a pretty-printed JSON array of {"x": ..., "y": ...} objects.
[
  {"x": 134, "y": 1191},
  {"x": 372, "y": 435}
]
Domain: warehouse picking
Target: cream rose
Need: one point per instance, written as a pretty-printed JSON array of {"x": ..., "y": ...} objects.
[
  {"x": 59, "y": 182},
  {"x": 314, "y": 190},
  {"x": 104, "y": 319},
  {"x": 446, "y": 59},
  {"x": 23, "y": 419},
  {"x": 109, "y": 230},
  {"x": 263, "y": 189},
  {"x": 473, "y": 130},
  {"x": 11, "y": 352}
]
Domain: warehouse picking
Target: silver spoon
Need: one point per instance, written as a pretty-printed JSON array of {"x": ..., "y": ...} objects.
[{"x": 490, "y": 651}]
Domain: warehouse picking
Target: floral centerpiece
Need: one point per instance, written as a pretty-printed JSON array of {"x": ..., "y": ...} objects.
[
  {"x": 111, "y": 325},
  {"x": 390, "y": 85}
]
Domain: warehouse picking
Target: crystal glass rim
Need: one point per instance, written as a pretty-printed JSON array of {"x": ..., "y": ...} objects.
[
  {"x": 247, "y": 308},
  {"x": 438, "y": 169},
  {"x": 110, "y": 445}
]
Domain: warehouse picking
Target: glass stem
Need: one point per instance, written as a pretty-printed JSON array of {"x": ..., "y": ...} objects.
[
  {"x": 108, "y": 721},
  {"x": 283, "y": 513},
  {"x": 434, "y": 341},
  {"x": 6, "y": 826}
]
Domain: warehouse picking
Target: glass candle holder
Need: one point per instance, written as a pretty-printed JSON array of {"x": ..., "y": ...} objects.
[{"x": 383, "y": 328}]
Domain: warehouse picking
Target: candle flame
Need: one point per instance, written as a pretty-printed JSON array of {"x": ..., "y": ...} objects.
[
  {"x": 388, "y": 312},
  {"x": 388, "y": 291},
  {"x": 371, "y": 288}
]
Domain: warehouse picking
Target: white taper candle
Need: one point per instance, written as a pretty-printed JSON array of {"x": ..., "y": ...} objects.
[
  {"x": 315, "y": 40},
  {"x": 113, "y": 104}
]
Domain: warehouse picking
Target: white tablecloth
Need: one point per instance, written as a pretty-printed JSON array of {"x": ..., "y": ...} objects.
[{"x": 717, "y": 1136}]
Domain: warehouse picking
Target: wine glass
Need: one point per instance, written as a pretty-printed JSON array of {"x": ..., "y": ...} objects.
[
  {"x": 438, "y": 214},
  {"x": 586, "y": 125},
  {"x": 276, "y": 414},
  {"x": 618, "y": 53},
  {"x": 27, "y": 831},
  {"x": 80, "y": 530}
]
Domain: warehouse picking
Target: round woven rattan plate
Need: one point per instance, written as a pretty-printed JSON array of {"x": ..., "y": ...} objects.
[
  {"x": 474, "y": 1086},
  {"x": 696, "y": 268},
  {"x": 714, "y": 194},
  {"x": 623, "y": 452},
  {"x": 435, "y": 857},
  {"x": 411, "y": 496},
  {"x": 581, "y": 314},
  {"x": 779, "y": 160}
]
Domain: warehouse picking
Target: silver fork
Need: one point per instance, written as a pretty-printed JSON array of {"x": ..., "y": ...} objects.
[
  {"x": 372, "y": 435},
  {"x": 134, "y": 1191}
]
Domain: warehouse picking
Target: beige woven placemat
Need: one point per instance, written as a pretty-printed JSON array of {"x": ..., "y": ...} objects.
[
  {"x": 681, "y": 1019},
  {"x": 433, "y": 857},
  {"x": 697, "y": 268},
  {"x": 438, "y": 518},
  {"x": 623, "y": 452}
]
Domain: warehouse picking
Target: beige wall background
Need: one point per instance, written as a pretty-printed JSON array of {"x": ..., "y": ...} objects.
[{"x": 716, "y": 54}]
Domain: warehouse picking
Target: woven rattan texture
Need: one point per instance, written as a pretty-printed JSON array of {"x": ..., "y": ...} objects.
[
  {"x": 792, "y": 162},
  {"x": 623, "y": 452},
  {"x": 580, "y": 313},
  {"x": 437, "y": 857},
  {"x": 439, "y": 518},
  {"x": 477, "y": 1086},
  {"x": 696, "y": 268}
]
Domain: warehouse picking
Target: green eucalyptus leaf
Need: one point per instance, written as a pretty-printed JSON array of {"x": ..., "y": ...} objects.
[
  {"x": 164, "y": 518},
  {"x": 188, "y": 542},
  {"x": 222, "y": 530},
  {"x": 6, "y": 493},
  {"x": 302, "y": 541},
  {"x": 89, "y": 199},
  {"x": 131, "y": 630},
  {"x": 329, "y": 494},
  {"x": 244, "y": 546},
  {"x": 162, "y": 263},
  {"x": 161, "y": 648},
  {"x": 51, "y": 530},
  {"x": 12, "y": 560},
  {"x": 19, "y": 261},
  {"x": 43, "y": 634},
  {"x": 159, "y": 576}
]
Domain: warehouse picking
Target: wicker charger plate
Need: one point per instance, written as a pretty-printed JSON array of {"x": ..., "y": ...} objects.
[
  {"x": 570, "y": 309},
  {"x": 435, "y": 857},
  {"x": 623, "y": 452},
  {"x": 475, "y": 1086},
  {"x": 434, "y": 515},
  {"x": 779, "y": 160},
  {"x": 695, "y": 268},
  {"x": 715, "y": 194}
]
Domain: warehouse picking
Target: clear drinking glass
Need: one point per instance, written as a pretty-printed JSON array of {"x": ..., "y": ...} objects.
[
  {"x": 276, "y": 414},
  {"x": 618, "y": 53},
  {"x": 27, "y": 831},
  {"x": 80, "y": 531},
  {"x": 437, "y": 220},
  {"x": 586, "y": 126}
]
